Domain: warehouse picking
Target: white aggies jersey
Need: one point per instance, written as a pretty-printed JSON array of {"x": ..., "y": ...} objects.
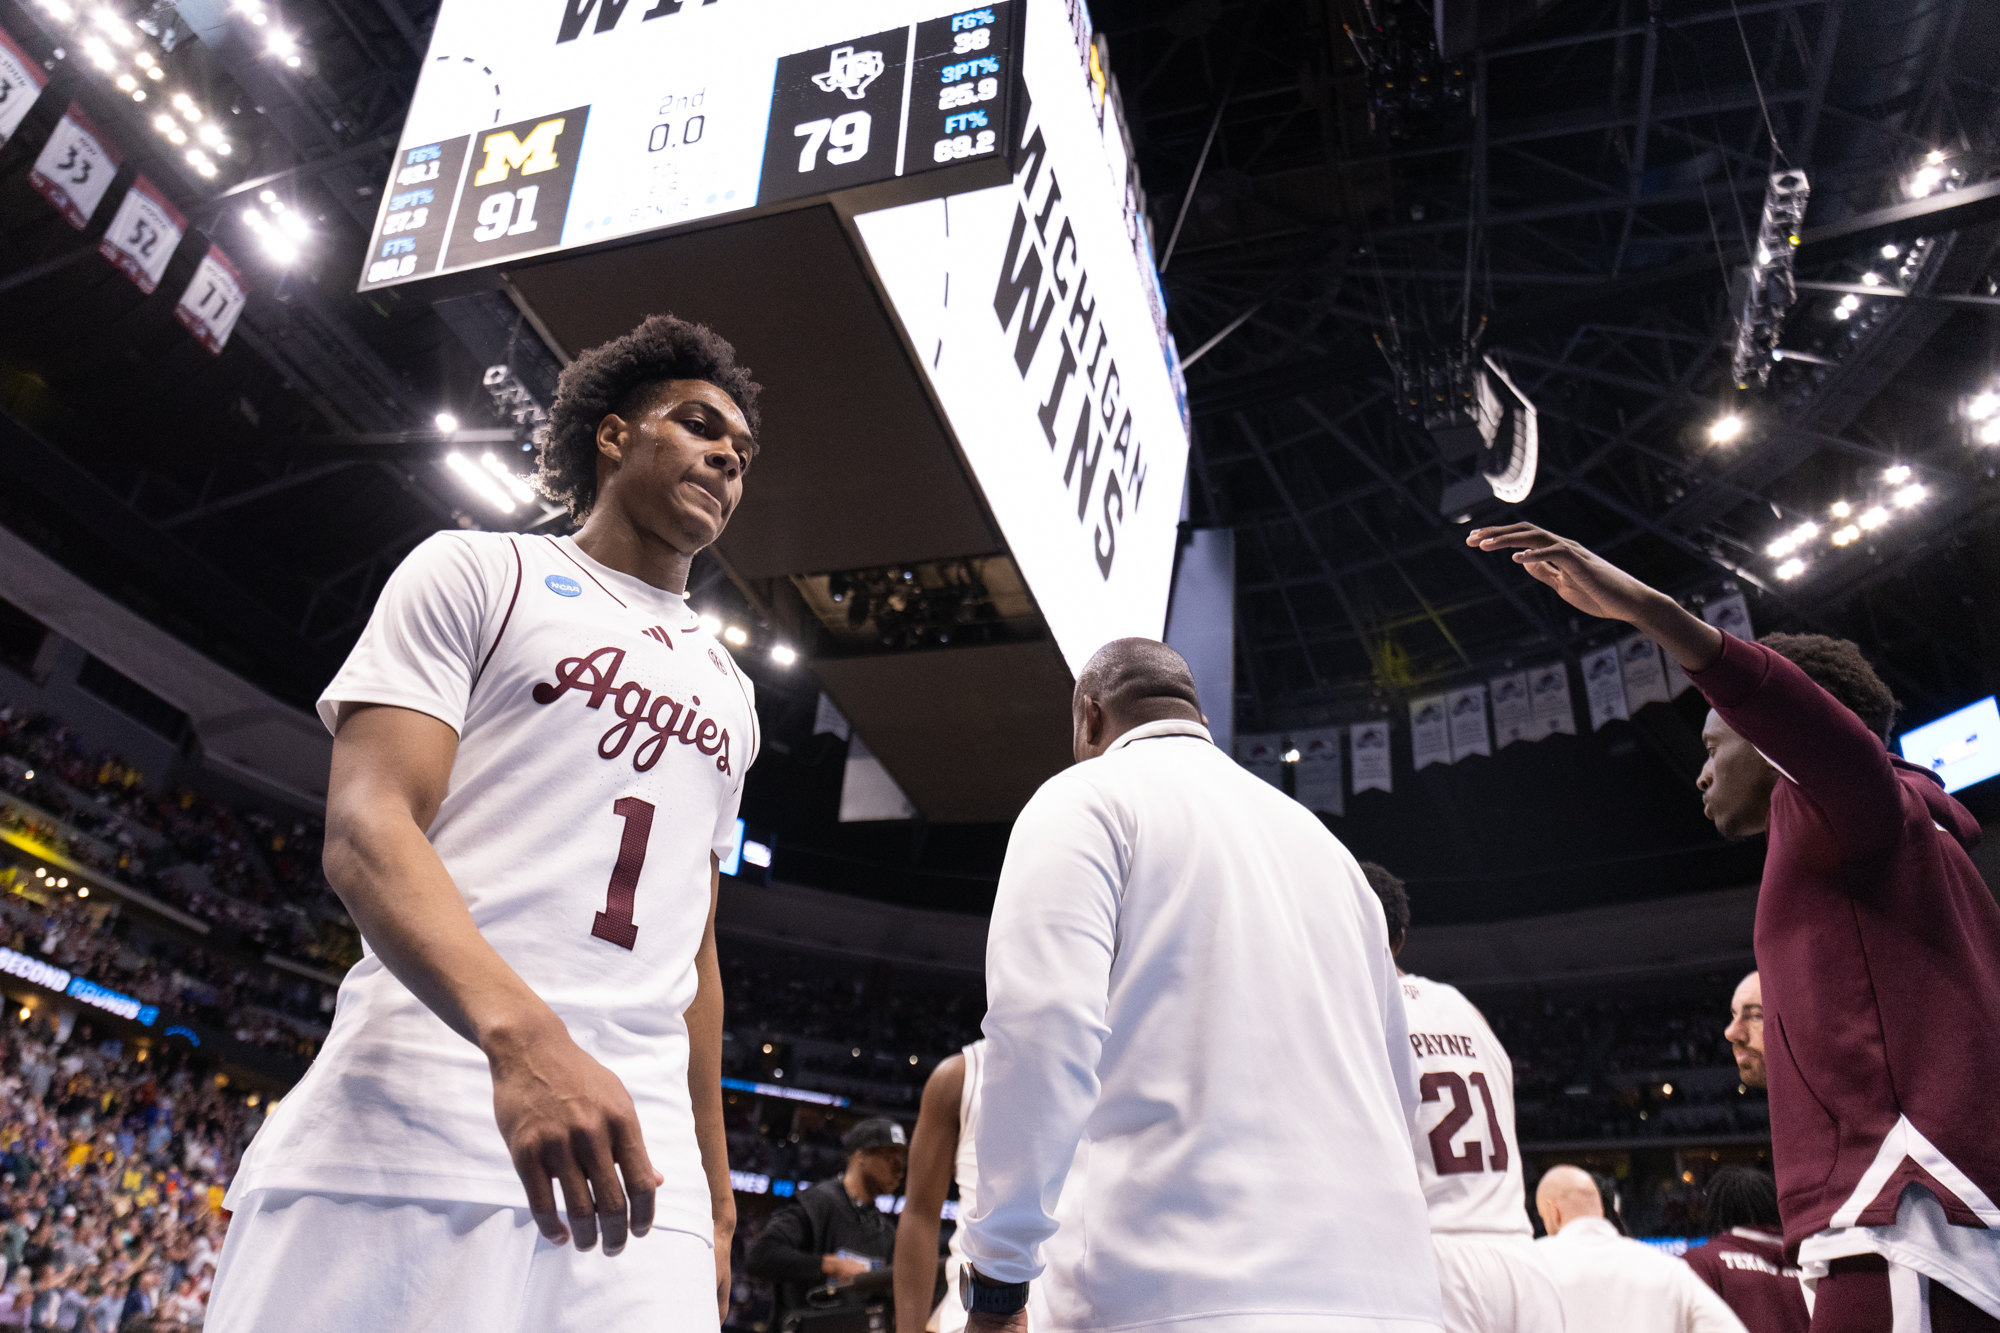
[
  {"x": 603, "y": 741},
  {"x": 1464, "y": 1134}
]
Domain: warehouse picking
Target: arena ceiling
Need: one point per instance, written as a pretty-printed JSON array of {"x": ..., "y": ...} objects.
[{"x": 1574, "y": 201}]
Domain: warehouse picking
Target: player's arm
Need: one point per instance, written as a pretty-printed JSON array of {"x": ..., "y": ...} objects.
[
  {"x": 933, "y": 1149},
  {"x": 704, "y": 1025},
  {"x": 565, "y": 1117}
]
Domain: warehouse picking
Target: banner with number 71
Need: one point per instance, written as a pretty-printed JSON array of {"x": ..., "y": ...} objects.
[
  {"x": 213, "y": 300},
  {"x": 143, "y": 235}
]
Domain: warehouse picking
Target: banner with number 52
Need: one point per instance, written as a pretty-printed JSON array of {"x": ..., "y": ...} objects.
[
  {"x": 143, "y": 235},
  {"x": 75, "y": 167},
  {"x": 213, "y": 300}
]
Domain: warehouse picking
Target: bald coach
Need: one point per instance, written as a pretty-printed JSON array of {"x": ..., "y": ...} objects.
[{"x": 1195, "y": 1042}]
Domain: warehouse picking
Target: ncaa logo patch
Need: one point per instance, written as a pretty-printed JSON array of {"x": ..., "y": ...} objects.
[
  {"x": 563, "y": 586},
  {"x": 716, "y": 658}
]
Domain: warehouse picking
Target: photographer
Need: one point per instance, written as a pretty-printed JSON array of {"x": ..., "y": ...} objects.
[{"x": 834, "y": 1231}]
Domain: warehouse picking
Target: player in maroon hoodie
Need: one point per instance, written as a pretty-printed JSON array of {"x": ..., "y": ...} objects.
[
  {"x": 1878, "y": 946},
  {"x": 1744, "y": 1259}
]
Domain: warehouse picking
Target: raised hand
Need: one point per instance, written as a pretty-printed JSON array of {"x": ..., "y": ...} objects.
[
  {"x": 1586, "y": 580},
  {"x": 568, "y": 1120}
]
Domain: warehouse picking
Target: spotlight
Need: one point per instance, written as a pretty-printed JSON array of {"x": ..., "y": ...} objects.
[
  {"x": 41, "y": 872},
  {"x": 1791, "y": 569},
  {"x": 1934, "y": 157},
  {"x": 1841, "y": 509},
  {"x": 1846, "y": 535},
  {"x": 1890, "y": 252},
  {"x": 1983, "y": 405},
  {"x": 1841, "y": 312},
  {"x": 83, "y": 892},
  {"x": 1873, "y": 518},
  {"x": 126, "y": 83},
  {"x": 1725, "y": 428},
  {"x": 1850, "y": 302},
  {"x": 515, "y": 486},
  {"x": 155, "y": 72},
  {"x": 783, "y": 656},
  {"x": 1782, "y": 546},
  {"x": 1990, "y": 432},
  {"x": 1897, "y": 474},
  {"x": 711, "y": 624},
  {"x": 1871, "y": 279},
  {"x": 446, "y": 422},
  {"x": 267, "y": 196},
  {"x": 1290, "y": 756},
  {"x": 1910, "y": 496},
  {"x": 1805, "y": 532},
  {"x": 735, "y": 635},
  {"x": 479, "y": 483},
  {"x": 282, "y": 44},
  {"x": 1925, "y": 182}
]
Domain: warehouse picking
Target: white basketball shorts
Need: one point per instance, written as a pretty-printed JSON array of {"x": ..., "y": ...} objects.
[
  {"x": 1495, "y": 1284},
  {"x": 332, "y": 1263}
]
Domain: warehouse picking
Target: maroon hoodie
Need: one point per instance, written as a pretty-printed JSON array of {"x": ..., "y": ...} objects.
[
  {"x": 1746, "y": 1267},
  {"x": 1879, "y": 946}
]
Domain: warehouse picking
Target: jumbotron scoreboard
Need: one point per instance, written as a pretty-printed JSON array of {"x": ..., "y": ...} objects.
[{"x": 582, "y": 121}]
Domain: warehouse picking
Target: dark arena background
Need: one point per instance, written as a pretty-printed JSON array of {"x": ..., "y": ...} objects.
[{"x": 1711, "y": 286}]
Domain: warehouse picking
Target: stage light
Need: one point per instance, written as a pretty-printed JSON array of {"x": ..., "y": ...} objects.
[
  {"x": 1850, "y": 302},
  {"x": 1934, "y": 157},
  {"x": 144, "y": 60},
  {"x": 1725, "y": 428},
  {"x": 783, "y": 656},
  {"x": 29, "y": 776},
  {"x": 1840, "y": 509},
  {"x": 736, "y": 635},
  {"x": 1781, "y": 546},
  {"x": 1897, "y": 474},
  {"x": 1983, "y": 405},
  {"x": 767, "y": 1048},
  {"x": 41, "y": 872},
  {"x": 711, "y": 624},
  {"x": 1874, "y": 518},
  {"x": 1910, "y": 496},
  {"x": 25, "y": 1013},
  {"x": 59, "y": 10},
  {"x": 1290, "y": 756},
  {"x": 1805, "y": 532},
  {"x": 1841, "y": 312},
  {"x": 1871, "y": 280},
  {"x": 1667, "y": 1090},
  {"x": 100, "y": 54},
  {"x": 282, "y": 44},
  {"x": 126, "y": 83},
  {"x": 1846, "y": 535},
  {"x": 479, "y": 483},
  {"x": 63, "y": 883},
  {"x": 446, "y": 422},
  {"x": 155, "y": 72},
  {"x": 83, "y": 892},
  {"x": 518, "y": 488},
  {"x": 1990, "y": 432},
  {"x": 1890, "y": 252},
  {"x": 1924, "y": 182},
  {"x": 1792, "y": 568},
  {"x": 269, "y": 197}
]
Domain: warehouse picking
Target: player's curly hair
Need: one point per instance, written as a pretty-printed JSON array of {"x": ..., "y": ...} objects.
[
  {"x": 1837, "y": 666},
  {"x": 1741, "y": 1196},
  {"x": 612, "y": 378},
  {"x": 1395, "y": 899}
]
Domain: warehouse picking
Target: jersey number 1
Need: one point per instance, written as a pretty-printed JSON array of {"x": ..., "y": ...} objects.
[
  {"x": 614, "y": 923},
  {"x": 1472, "y": 1158}
]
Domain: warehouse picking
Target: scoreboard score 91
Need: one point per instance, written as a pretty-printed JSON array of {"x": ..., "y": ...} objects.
[{"x": 545, "y": 130}]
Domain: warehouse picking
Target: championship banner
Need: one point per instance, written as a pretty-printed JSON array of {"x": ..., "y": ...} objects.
[
  {"x": 213, "y": 300},
  {"x": 75, "y": 167},
  {"x": 21, "y": 82},
  {"x": 1316, "y": 777},
  {"x": 1604, "y": 687},
  {"x": 1513, "y": 713},
  {"x": 1730, "y": 614},
  {"x": 1467, "y": 708},
  {"x": 143, "y": 235},
  {"x": 1548, "y": 687},
  {"x": 1370, "y": 741},
  {"x": 1263, "y": 755},
  {"x": 1641, "y": 662},
  {"x": 1430, "y": 732}
]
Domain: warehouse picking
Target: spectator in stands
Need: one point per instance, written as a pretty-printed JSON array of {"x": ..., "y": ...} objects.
[
  {"x": 834, "y": 1231},
  {"x": 1744, "y": 1259},
  {"x": 1610, "y": 1284},
  {"x": 1746, "y": 1030}
]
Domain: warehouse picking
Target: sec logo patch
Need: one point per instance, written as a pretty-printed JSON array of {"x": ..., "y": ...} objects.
[
  {"x": 716, "y": 658},
  {"x": 563, "y": 586}
]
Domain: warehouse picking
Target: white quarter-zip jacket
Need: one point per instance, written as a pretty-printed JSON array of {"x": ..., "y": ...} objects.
[
  {"x": 1196, "y": 1042},
  {"x": 1610, "y": 1284}
]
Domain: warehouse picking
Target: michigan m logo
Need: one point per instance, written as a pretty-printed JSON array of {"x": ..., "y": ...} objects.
[{"x": 505, "y": 153}]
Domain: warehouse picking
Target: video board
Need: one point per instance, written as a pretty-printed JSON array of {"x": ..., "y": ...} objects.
[{"x": 539, "y": 125}]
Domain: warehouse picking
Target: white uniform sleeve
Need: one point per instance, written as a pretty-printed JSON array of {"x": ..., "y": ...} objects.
[
  {"x": 1402, "y": 1058},
  {"x": 427, "y": 636},
  {"x": 1048, "y": 973},
  {"x": 724, "y": 840},
  {"x": 1702, "y": 1311}
]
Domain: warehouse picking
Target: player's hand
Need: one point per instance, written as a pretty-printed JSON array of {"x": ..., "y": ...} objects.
[
  {"x": 568, "y": 1120},
  {"x": 1016, "y": 1322},
  {"x": 725, "y": 1234},
  {"x": 837, "y": 1267},
  {"x": 1587, "y": 581}
]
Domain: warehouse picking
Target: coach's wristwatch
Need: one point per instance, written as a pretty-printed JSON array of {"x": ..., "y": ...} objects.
[{"x": 985, "y": 1296}]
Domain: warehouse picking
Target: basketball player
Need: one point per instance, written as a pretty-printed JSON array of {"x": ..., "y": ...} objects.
[
  {"x": 1488, "y": 1271},
  {"x": 940, "y": 1151},
  {"x": 538, "y": 754},
  {"x": 1744, "y": 1259},
  {"x": 1878, "y": 948},
  {"x": 1745, "y": 1033}
]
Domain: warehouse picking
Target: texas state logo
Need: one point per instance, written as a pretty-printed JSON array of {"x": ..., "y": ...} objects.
[{"x": 563, "y": 586}]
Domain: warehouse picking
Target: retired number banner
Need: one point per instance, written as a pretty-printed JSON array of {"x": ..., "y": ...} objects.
[
  {"x": 21, "y": 82},
  {"x": 143, "y": 235},
  {"x": 75, "y": 167},
  {"x": 213, "y": 300}
]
